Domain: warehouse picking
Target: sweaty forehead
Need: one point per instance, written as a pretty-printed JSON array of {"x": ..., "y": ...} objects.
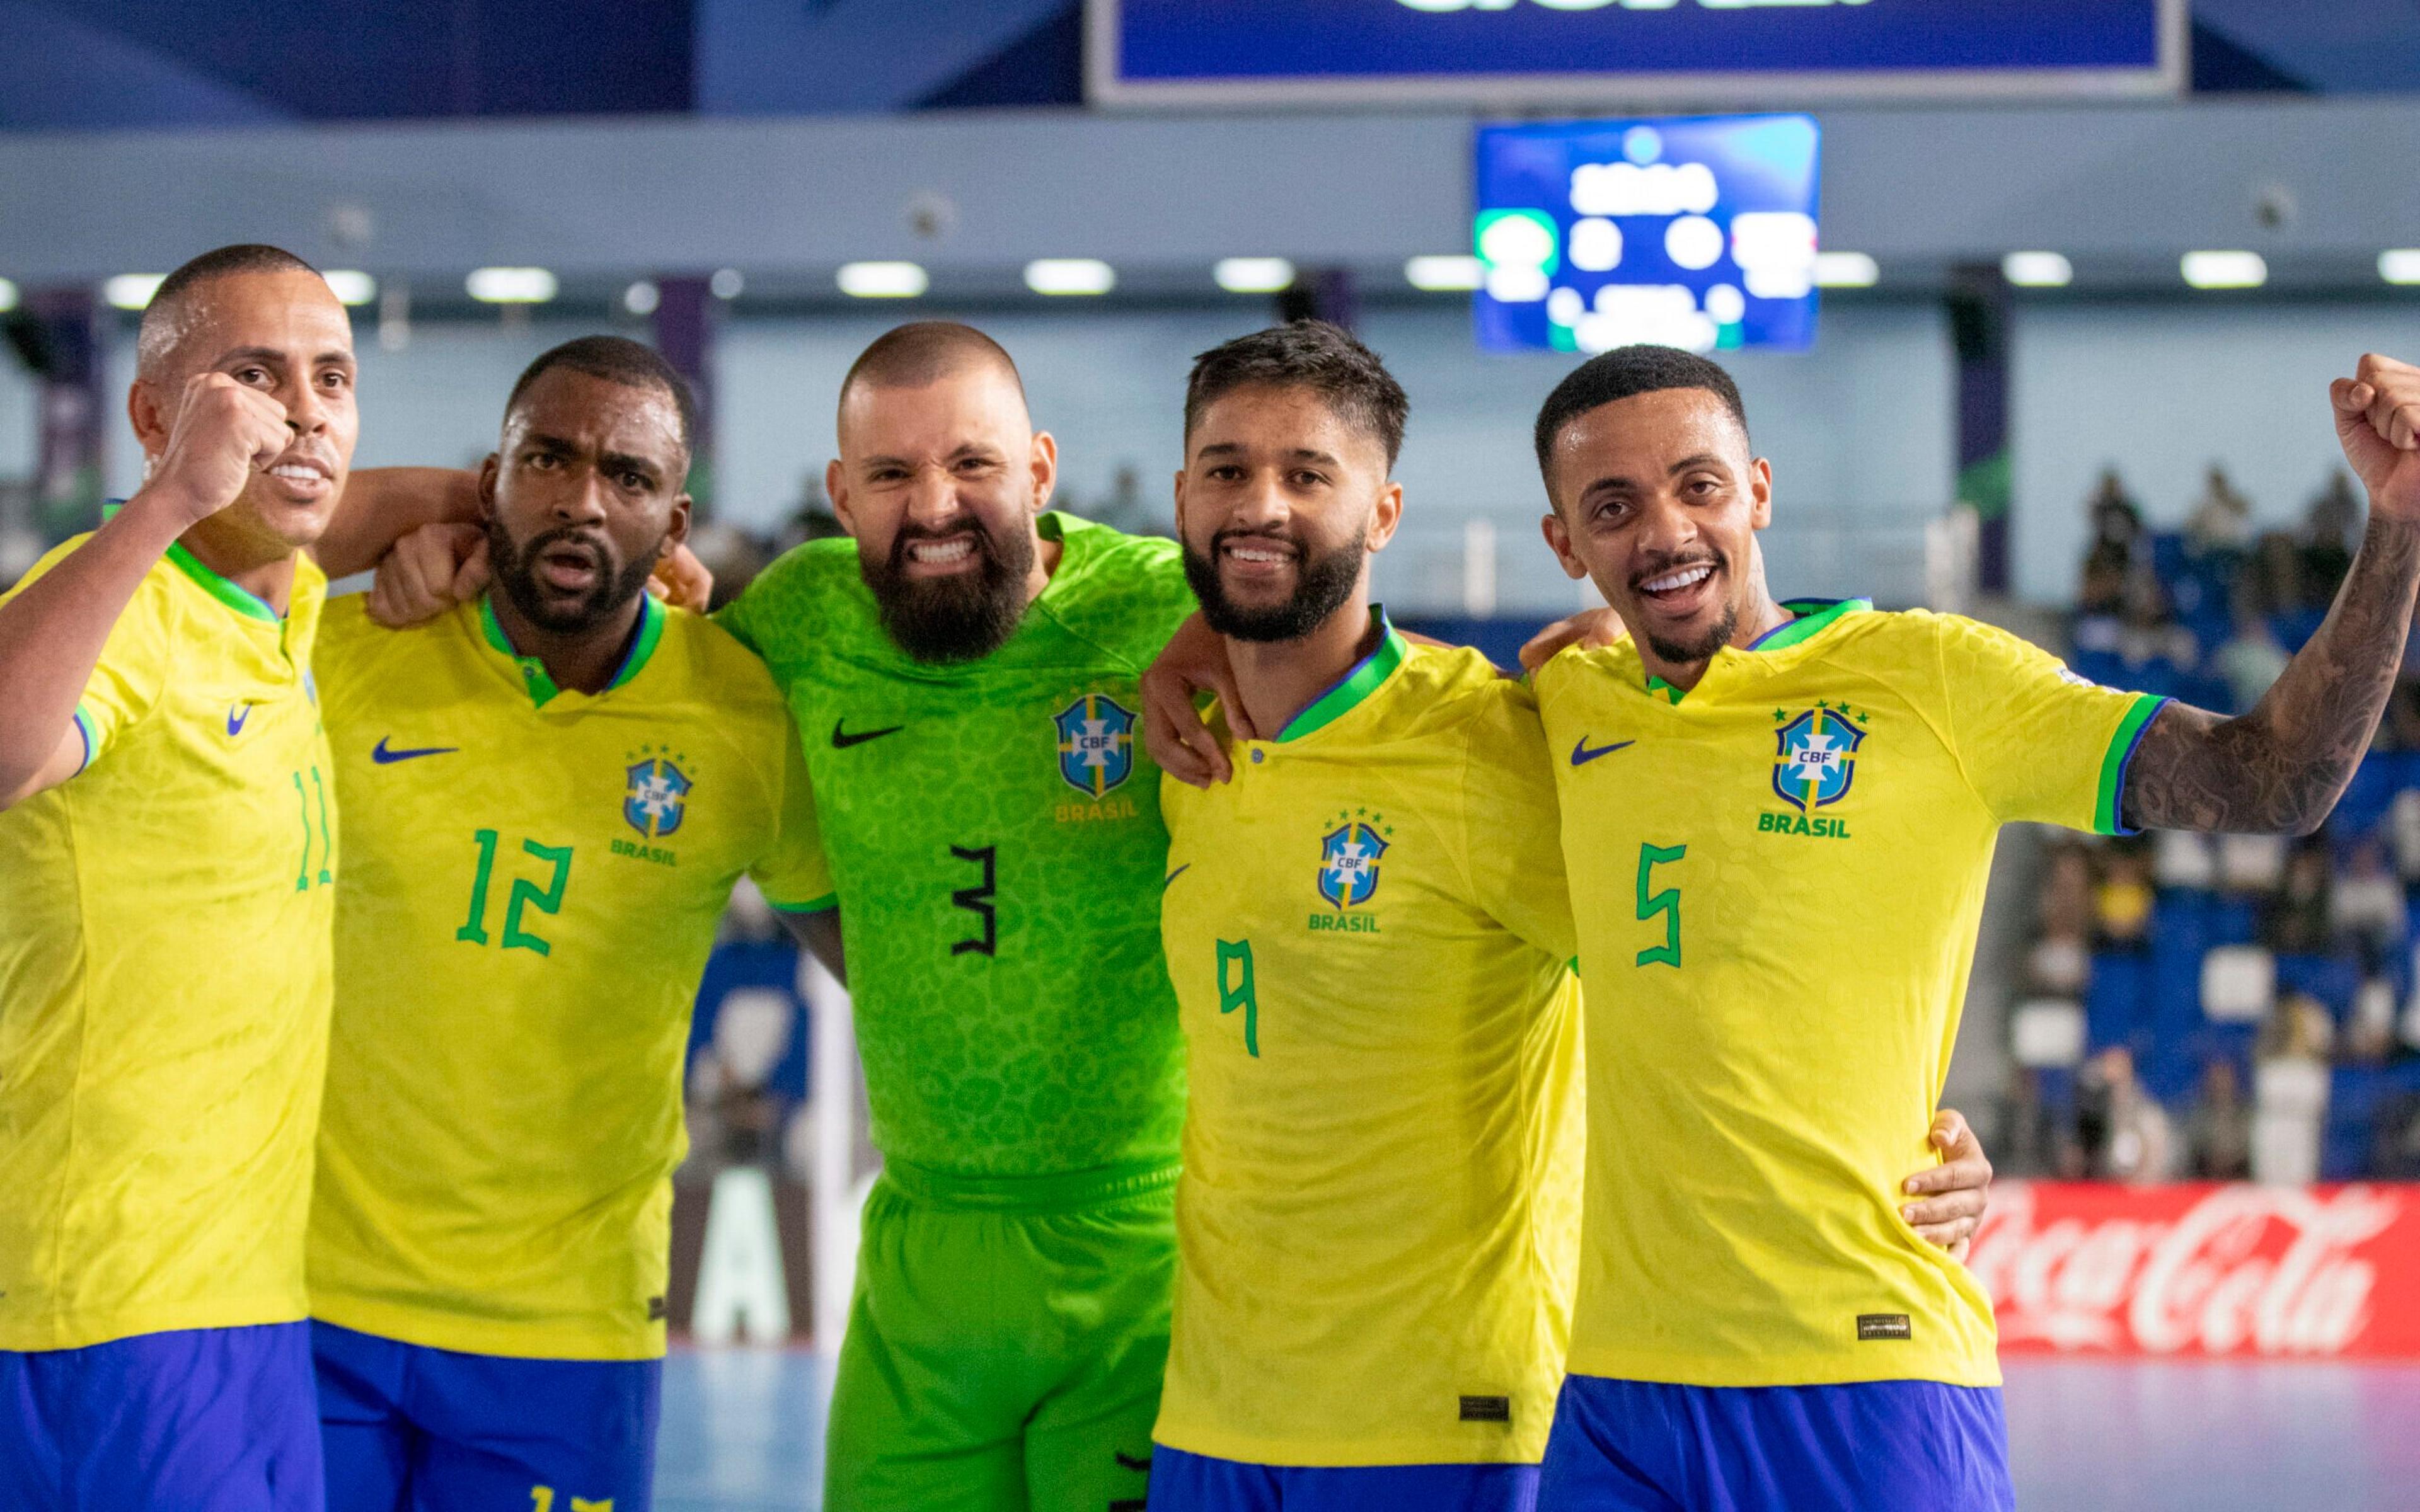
[{"x": 293, "y": 314}]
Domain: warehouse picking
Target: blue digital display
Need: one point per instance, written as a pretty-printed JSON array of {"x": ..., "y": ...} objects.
[
  {"x": 1199, "y": 50},
  {"x": 1694, "y": 232}
]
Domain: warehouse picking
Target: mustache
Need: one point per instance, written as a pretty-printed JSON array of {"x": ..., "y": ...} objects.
[
  {"x": 909, "y": 534},
  {"x": 1275, "y": 534},
  {"x": 588, "y": 541},
  {"x": 1663, "y": 562}
]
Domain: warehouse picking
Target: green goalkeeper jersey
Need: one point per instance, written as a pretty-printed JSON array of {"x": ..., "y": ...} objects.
[{"x": 993, "y": 827}]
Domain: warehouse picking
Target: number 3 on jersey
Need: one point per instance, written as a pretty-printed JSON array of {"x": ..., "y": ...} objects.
[{"x": 1666, "y": 905}]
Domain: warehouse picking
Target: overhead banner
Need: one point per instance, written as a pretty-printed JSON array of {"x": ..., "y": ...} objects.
[
  {"x": 1589, "y": 52},
  {"x": 2083, "y": 1267}
]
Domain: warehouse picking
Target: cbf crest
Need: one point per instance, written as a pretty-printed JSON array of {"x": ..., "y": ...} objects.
[
  {"x": 1816, "y": 755},
  {"x": 656, "y": 799},
  {"x": 1348, "y": 857},
  {"x": 1095, "y": 744}
]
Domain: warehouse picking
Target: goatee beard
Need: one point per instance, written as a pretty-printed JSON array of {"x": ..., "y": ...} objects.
[{"x": 1704, "y": 648}]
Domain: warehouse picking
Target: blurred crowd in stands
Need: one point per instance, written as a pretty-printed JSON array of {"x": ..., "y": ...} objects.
[{"x": 2224, "y": 1007}]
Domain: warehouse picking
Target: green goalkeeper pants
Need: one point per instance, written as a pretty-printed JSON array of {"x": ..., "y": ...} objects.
[{"x": 1005, "y": 1344}]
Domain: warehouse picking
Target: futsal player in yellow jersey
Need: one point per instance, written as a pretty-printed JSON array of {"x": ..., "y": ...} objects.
[
  {"x": 553, "y": 790},
  {"x": 168, "y": 851},
  {"x": 1777, "y": 821},
  {"x": 1370, "y": 941}
]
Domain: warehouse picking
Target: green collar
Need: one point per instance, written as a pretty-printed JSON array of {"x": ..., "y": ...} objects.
[
  {"x": 1808, "y": 618},
  {"x": 1355, "y": 686},
  {"x": 242, "y": 600},
  {"x": 542, "y": 688}
]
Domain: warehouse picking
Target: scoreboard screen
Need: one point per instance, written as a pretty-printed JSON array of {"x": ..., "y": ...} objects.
[
  {"x": 1626, "y": 53},
  {"x": 1695, "y": 232}
]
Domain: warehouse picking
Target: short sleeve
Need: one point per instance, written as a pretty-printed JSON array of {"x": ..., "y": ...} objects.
[
  {"x": 794, "y": 876},
  {"x": 2036, "y": 741},
  {"x": 740, "y": 618},
  {"x": 132, "y": 671},
  {"x": 1513, "y": 824}
]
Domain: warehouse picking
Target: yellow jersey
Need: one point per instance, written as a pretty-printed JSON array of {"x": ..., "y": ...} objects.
[
  {"x": 536, "y": 874},
  {"x": 163, "y": 977},
  {"x": 1778, "y": 877},
  {"x": 1370, "y": 938}
]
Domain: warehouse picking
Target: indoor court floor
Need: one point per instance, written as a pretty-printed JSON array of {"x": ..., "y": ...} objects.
[{"x": 742, "y": 1433}]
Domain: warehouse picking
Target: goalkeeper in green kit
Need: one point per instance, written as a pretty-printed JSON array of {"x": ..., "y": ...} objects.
[{"x": 963, "y": 674}]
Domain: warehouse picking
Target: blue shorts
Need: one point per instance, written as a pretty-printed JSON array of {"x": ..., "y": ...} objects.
[
  {"x": 199, "y": 1420},
  {"x": 410, "y": 1428},
  {"x": 1646, "y": 1446},
  {"x": 1182, "y": 1482}
]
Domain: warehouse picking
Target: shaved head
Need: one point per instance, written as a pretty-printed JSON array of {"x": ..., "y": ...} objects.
[
  {"x": 169, "y": 317},
  {"x": 924, "y": 352}
]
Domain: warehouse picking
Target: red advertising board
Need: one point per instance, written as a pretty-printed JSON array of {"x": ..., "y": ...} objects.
[{"x": 2092, "y": 1268}]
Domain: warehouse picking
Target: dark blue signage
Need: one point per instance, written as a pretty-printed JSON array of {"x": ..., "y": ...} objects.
[{"x": 1208, "y": 51}]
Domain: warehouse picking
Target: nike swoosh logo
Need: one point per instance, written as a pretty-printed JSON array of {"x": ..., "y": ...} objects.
[
  {"x": 236, "y": 717},
  {"x": 1173, "y": 876},
  {"x": 388, "y": 758},
  {"x": 1581, "y": 755},
  {"x": 841, "y": 739}
]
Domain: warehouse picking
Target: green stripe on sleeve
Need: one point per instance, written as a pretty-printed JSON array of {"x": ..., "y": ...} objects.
[
  {"x": 2112, "y": 765},
  {"x": 91, "y": 736},
  {"x": 821, "y": 905}
]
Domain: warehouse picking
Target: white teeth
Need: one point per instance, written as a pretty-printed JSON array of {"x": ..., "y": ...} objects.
[
  {"x": 293, "y": 469},
  {"x": 941, "y": 552},
  {"x": 1247, "y": 553},
  {"x": 1686, "y": 577}
]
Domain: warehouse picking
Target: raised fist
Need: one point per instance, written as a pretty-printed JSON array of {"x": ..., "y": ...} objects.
[
  {"x": 2378, "y": 419},
  {"x": 222, "y": 433}
]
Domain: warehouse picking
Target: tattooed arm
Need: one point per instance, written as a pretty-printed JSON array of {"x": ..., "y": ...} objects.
[{"x": 2280, "y": 768}]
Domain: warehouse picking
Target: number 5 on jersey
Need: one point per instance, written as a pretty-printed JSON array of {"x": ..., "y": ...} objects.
[{"x": 1665, "y": 904}]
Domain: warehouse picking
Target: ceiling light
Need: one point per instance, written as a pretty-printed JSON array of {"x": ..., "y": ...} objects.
[
  {"x": 882, "y": 280},
  {"x": 2037, "y": 270},
  {"x": 510, "y": 285},
  {"x": 7, "y": 295},
  {"x": 1253, "y": 275},
  {"x": 351, "y": 285},
  {"x": 1445, "y": 275},
  {"x": 132, "y": 291},
  {"x": 2399, "y": 266},
  {"x": 642, "y": 297},
  {"x": 726, "y": 283},
  {"x": 2224, "y": 270},
  {"x": 1846, "y": 269},
  {"x": 1070, "y": 275}
]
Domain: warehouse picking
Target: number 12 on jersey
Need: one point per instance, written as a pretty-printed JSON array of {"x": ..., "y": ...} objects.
[
  {"x": 1666, "y": 905},
  {"x": 526, "y": 894}
]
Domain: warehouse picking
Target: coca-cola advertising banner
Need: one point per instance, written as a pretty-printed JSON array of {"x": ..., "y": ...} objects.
[{"x": 2093, "y": 1268}]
